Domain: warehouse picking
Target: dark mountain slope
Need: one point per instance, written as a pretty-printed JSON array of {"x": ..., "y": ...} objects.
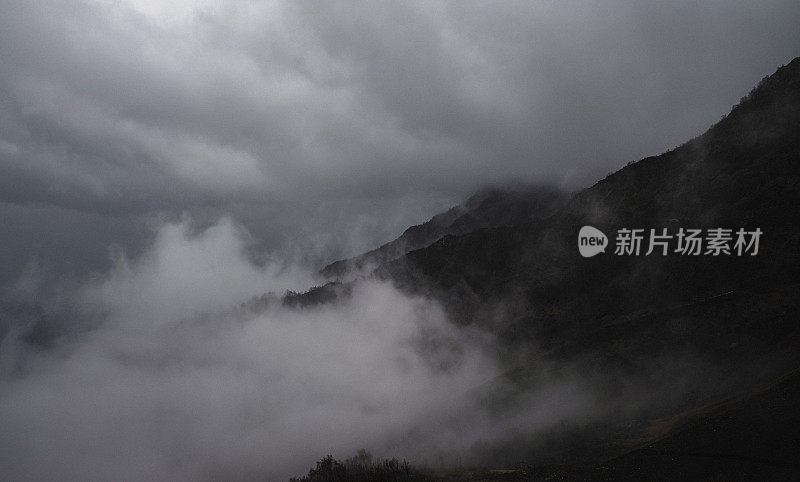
[
  {"x": 743, "y": 172},
  {"x": 754, "y": 438},
  {"x": 488, "y": 208},
  {"x": 665, "y": 343},
  {"x": 668, "y": 335}
]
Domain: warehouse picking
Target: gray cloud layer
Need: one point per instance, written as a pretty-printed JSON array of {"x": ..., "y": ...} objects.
[
  {"x": 320, "y": 128},
  {"x": 313, "y": 121},
  {"x": 174, "y": 385}
]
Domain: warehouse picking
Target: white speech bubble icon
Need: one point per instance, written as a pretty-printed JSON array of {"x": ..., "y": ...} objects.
[{"x": 591, "y": 241}]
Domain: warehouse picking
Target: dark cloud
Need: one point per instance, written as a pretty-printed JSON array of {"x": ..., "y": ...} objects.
[
  {"x": 152, "y": 152},
  {"x": 314, "y": 121}
]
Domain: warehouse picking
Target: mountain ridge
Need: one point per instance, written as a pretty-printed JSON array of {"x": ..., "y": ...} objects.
[
  {"x": 490, "y": 207},
  {"x": 667, "y": 335}
]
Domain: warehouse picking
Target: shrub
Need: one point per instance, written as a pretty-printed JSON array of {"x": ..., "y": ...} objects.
[{"x": 362, "y": 467}]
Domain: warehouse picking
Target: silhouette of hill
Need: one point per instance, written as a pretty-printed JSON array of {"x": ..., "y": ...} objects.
[
  {"x": 489, "y": 208},
  {"x": 742, "y": 173},
  {"x": 678, "y": 348}
]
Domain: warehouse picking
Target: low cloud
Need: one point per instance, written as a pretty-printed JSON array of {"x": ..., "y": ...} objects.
[{"x": 176, "y": 384}]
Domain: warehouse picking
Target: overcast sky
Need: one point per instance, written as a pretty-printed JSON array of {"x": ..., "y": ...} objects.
[
  {"x": 150, "y": 150},
  {"x": 330, "y": 127}
]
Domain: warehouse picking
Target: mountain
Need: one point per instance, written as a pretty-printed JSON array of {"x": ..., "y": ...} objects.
[
  {"x": 691, "y": 330},
  {"x": 742, "y": 173},
  {"x": 678, "y": 349},
  {"x": 489, "y": 208}
]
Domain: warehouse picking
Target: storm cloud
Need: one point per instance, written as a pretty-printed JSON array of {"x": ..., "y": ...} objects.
[
  {"x": 328, "y": 128},
  {"x": 163, "y": 162}
]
